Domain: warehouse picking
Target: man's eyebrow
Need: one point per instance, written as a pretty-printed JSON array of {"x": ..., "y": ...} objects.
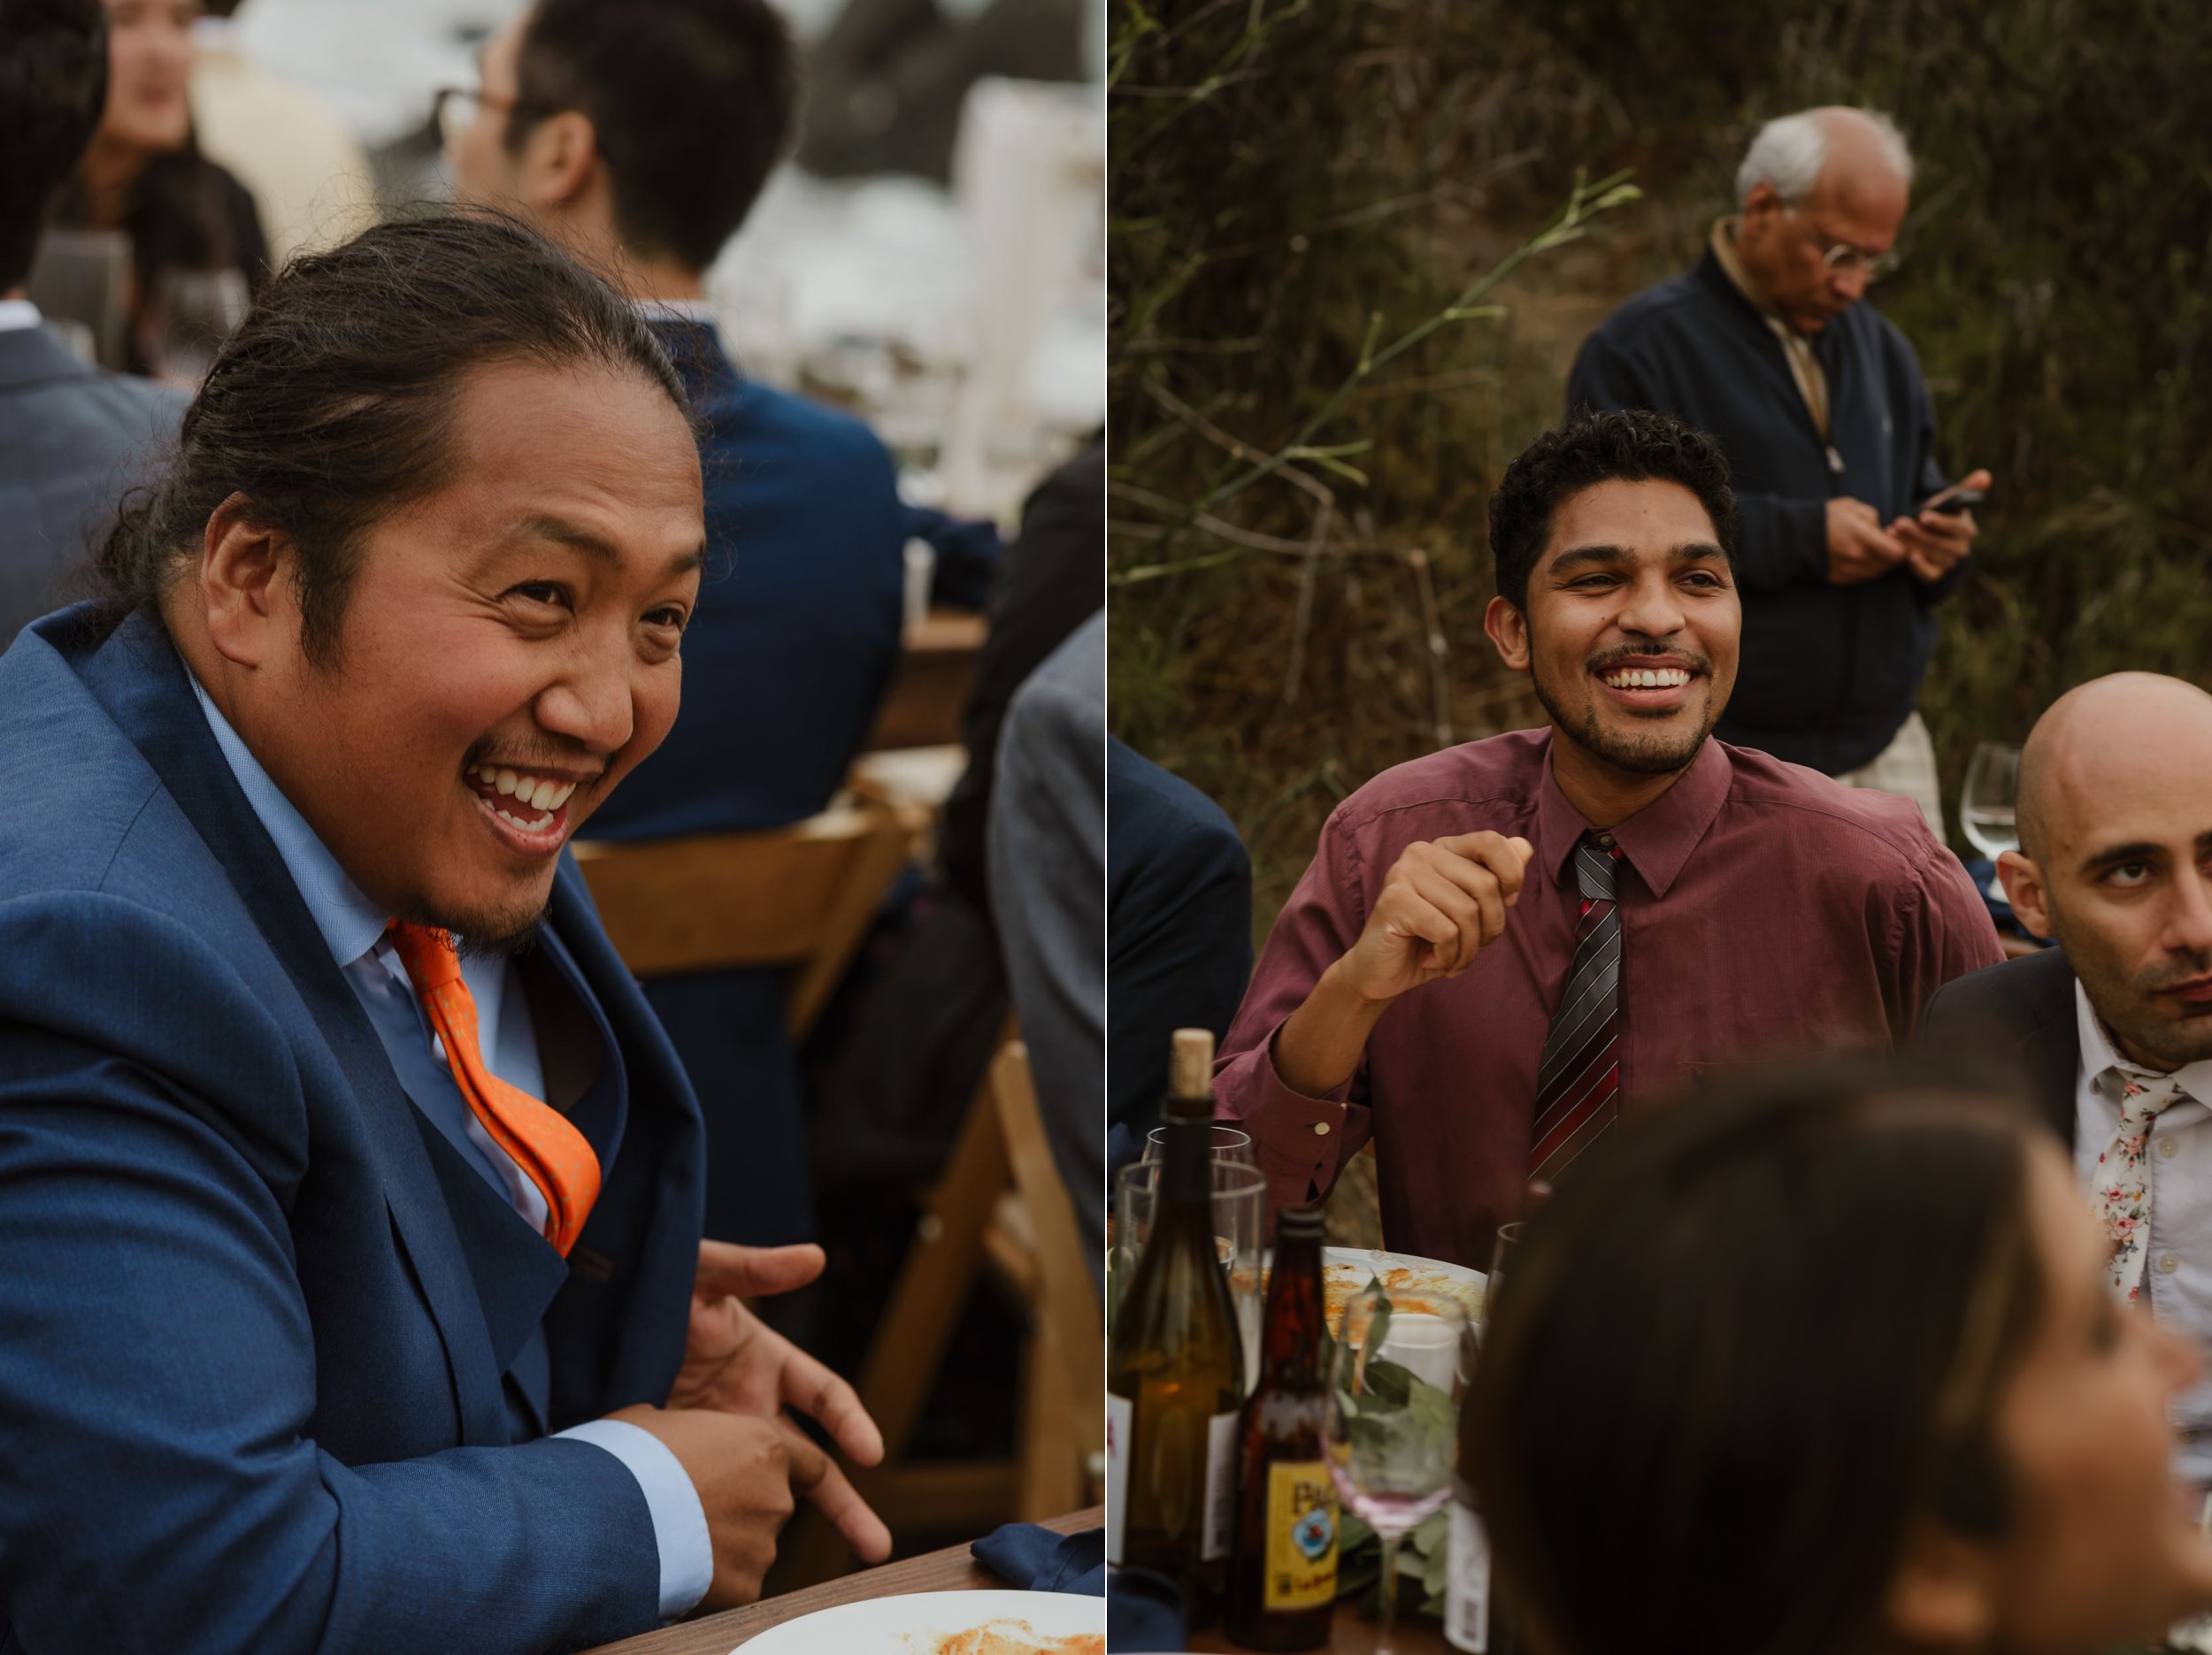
[
  {"x": 544, "y": 526},
  {"x": 1612, "y": 557},
  {"x": 2141, "y": 851}
]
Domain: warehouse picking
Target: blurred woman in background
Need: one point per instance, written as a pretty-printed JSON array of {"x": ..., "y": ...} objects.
[
  {"x": 197, "y": 252},
  {"x": 1825, "y": 1366}
]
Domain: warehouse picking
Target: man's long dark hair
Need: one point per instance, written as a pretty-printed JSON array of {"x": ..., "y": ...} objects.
[
  {"x": 1743, "y": 1356},
  {"x": 331, "y": 407}
]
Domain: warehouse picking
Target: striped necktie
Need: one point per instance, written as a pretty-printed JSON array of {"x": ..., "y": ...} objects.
[
  {"x": 1578, "y": 1078},
  {"x": 551, "y": 1153}
]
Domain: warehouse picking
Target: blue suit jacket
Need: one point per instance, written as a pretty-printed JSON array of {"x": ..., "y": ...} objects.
[
  {"x": 785, "y": 663},
  {"x": 256, "y": 1319}
]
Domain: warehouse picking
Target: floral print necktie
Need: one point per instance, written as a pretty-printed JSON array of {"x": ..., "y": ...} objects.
[{"x": 2123, "y": 1188}]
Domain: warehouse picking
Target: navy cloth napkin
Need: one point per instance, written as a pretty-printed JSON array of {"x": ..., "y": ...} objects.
[{"x": 1038, "y": 1560}]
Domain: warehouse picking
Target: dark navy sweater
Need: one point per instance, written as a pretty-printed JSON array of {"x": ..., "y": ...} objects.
[{"x": 1828, "y": 672}]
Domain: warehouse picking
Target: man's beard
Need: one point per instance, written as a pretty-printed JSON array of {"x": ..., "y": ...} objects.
[
  {"x": 2111, "y": 989},
  {"x": 1668, "y": 749},
  {"x": 494, "y": 936}
]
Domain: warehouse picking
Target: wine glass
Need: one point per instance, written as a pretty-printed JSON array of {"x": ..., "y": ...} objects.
[
  {"x": 1390, "y": 1434},
  {"x": 1988, "y": 808},
  {"x": 1231, "y": 1143}
]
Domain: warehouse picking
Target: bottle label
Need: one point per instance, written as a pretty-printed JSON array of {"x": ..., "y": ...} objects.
[
  {"x": 1119, "y": 1414},
  {"x": 1301, "y": 1557},
  {"x": 1467, "y": 1592},
  {"x": 1221, "y": 1485}
]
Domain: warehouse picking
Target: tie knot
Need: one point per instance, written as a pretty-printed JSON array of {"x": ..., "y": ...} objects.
[
  {"x": 1596, "y": 857},
  {"x": 2143, "y": 1095},
  {"x": 428, "y": 953}
]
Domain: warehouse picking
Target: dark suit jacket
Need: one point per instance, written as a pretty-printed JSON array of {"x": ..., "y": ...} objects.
[
  {"x": 260, "y": 1319},
  {"x": 1178, "y": 904},
  {"x": 2020, "y": 1012},
  {"x": 785, "y": 663},
  {"x": 72, "y": 439}
]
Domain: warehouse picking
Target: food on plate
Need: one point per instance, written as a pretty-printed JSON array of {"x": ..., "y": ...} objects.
[
  {"x": 1014, "y": 1637},
  {"x": 1411, "y": 1288}
]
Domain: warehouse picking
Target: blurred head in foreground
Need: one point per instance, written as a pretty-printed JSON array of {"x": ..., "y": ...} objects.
[
  {"x": 2116, "y": 856},
  {"x": 1826, "y": 1366},
  {"x": 638, "y": 135},
  {"x": 429, "y": 542}
]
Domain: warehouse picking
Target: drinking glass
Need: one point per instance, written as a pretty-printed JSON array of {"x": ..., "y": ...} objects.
[
  {"x": 1391, "y": 1433},
  {"x": 1988, "y": 807},
  {"x": 196, "y": 311},
  {"x": 1231, "y": 1143},
  {"x": 1240, "y": 1217},
  {"x": 1502, "y": 1252}
]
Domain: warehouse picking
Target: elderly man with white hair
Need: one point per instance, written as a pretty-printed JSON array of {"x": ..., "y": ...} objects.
[{"x": 1818, "y": 404}]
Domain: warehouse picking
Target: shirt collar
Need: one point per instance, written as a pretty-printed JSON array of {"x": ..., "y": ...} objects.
[
  {"x": 17, "y": 314},
  {"x": 351, "y": 925},
  {"x": 1657, "y": 840},
  {"x": 1732, "y": 266}
]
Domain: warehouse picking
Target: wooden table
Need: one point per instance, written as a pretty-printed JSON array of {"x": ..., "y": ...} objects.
[
  {"x": 1351, "y": 1633},
  {"x": 952, "y": 1570},
  {"x": 929, "y": 687}
]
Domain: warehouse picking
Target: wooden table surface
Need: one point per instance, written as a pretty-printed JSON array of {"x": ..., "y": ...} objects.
[
  {"x": 1352, "y": 1633},
  {"x": 952, "y": 1570}
]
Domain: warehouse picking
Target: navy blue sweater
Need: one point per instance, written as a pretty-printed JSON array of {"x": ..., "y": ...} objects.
[{"x": 1828, "y": 672}]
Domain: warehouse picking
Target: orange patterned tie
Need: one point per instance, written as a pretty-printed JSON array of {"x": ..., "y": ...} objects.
[{"x": 552, "y": 1154}]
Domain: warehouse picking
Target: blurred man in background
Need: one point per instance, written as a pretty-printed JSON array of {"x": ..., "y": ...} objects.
[
  {"x": 1819, "y": 405},
  {"x": 639, "y": 137},
  {"x": 70, "y": 437}
]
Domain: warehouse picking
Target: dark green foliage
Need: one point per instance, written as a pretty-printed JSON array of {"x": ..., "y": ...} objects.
[{"x": 1290, "y": 182}]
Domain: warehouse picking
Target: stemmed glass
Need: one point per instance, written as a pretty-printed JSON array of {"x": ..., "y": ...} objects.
[
  {"x": 1396, "y": 1377},
  {"x": 1988, "y": 809}
]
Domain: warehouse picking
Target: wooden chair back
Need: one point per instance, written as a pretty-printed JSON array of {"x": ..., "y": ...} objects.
[{"x": 800, "y": 897}]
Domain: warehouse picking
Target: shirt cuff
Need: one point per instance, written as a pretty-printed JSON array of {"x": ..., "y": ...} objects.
[{"x": 680, "y": 1522}]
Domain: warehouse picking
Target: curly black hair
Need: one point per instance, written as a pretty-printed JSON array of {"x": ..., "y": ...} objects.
[{"x": 1633, "y": 445}]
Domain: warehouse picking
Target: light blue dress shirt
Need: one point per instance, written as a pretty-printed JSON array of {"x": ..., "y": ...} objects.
[{"x": 353, "y": 928}]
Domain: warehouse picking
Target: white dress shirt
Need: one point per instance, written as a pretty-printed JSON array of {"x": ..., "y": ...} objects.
[
  {"x": 16, "y": 314},
  {"x": 2178, "y": 1263}
]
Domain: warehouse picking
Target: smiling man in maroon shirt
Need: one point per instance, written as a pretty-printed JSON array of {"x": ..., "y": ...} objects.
[{"x": 1500, "y": 947}]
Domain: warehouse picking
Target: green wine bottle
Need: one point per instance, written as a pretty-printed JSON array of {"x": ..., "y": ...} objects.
[{"x": 1174, "y": 1370}]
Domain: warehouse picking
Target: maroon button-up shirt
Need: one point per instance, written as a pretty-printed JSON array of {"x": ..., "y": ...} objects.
[{"x": 1766, "y": 911}]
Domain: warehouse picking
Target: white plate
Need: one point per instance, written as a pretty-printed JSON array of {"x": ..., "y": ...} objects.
[{"x": 912, "y": 1624}]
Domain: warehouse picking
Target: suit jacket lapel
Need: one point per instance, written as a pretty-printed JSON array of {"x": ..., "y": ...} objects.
[
  {"x": 139, "y": 678},
  {"x": 2051, "y": 1049}
]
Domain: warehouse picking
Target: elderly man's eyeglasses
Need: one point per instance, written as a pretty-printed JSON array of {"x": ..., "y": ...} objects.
[
  {"x": 1848, "y": 260},
  {"x": 455, "y": 108}
]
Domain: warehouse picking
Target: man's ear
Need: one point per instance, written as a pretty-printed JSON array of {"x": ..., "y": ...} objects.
[
  {"x": 2024, "y": 888},
  {"x": 1761, "y": 208},
  {"x": 558, "y": 160},
  {"x": 1944, "y": 1593},
  {"x": 1508, "y": 631},
  {"x": 245, "y": 569}
]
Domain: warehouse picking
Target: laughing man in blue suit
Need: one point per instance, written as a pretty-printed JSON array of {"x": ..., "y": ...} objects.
[
  {"x": 639, "y": 137},
  {"x": 323, "y": 1334}
]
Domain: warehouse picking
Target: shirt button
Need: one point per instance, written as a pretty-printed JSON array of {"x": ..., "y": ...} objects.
[
  {"x": 2168, "y": 1262},
  {"x": 1605, "y": 841},
  {"x": 1321, "y": 1129},
  {"x": 2169, "y": 1148}
]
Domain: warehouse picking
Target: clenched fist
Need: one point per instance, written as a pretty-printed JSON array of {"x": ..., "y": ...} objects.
[{"x": 1442, "y": 903}]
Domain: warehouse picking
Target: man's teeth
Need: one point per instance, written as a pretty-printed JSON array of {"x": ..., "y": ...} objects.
[
  {"x": 1647, "y": 679},
  {"x": 540, "y": 793}
]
